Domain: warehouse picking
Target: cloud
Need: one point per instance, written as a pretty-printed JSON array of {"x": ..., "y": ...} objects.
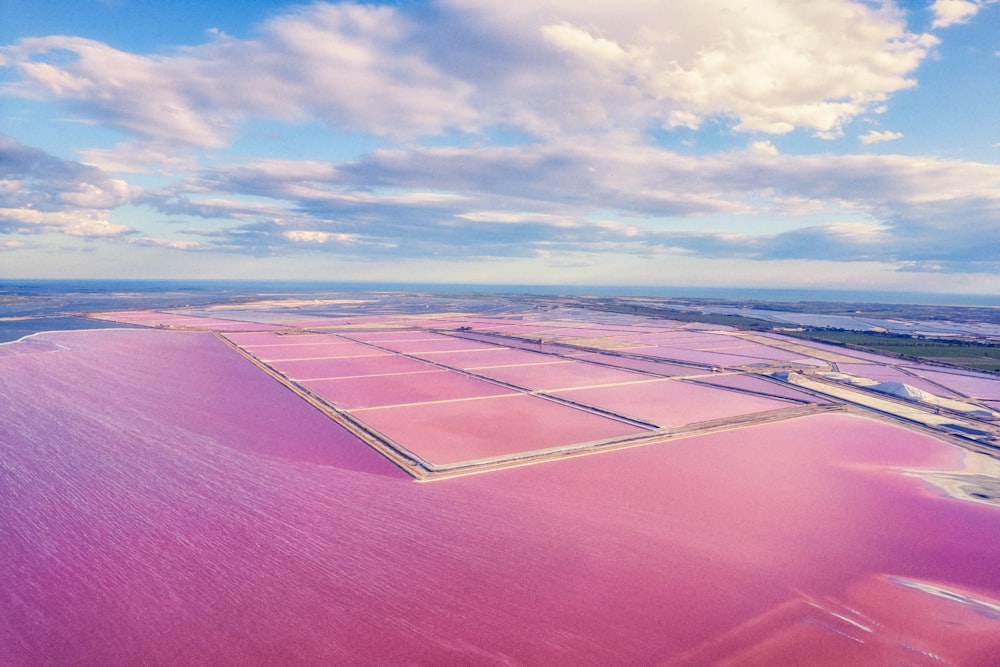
[
  {"x": 42, "y": 193},
  {"x": 767, "y": 67},
  {"x": 951, "y": 12},
  {"x": 765, "y": 147},
  {"x": 520, "y": 201},
  {"x": 310, "y": 236},
  {"x": 579, "y": 84},
  {"x": 347, "y": 65},
  {"x": 837, "y": 242},
  {"x": 558, "y": 199},
  {"x": 471, "y": 65},
  {"x": 171, "y": 244},
  {"x": 874, "y": 137}
]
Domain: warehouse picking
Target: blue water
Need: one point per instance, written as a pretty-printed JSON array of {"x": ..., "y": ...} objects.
[{"x": 191, "y": 292}]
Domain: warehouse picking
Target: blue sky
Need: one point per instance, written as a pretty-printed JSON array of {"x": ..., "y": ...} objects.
[{"x": 826, "y": 144}]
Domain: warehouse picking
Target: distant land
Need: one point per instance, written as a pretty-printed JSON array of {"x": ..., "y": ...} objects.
[
  {"x": 196, "y": 287},
  {"x": 954, "y": 329}
]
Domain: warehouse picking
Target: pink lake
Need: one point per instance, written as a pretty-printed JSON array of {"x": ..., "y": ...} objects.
[{"x": 166, "y": 502}]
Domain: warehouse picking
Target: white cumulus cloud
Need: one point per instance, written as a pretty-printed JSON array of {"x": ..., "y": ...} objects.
[
  {"x": 540, "y": 67},
  {"x": 875, "y": 136},
  {"x": 951, "y": 12},
  {"x": 42, "y": 193}
]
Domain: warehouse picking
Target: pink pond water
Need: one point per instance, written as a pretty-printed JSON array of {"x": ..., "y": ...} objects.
[
  {"x": 380, "y": 337},
  {"x": 661, "y": 367},
  {"x": 323, "y": 350},
  {"x": 977, "y": 386},
  {"x": 489, "y": 357},
  {"x": 266, "y": 338},
  {"x": 560, "y": 375},
  {"x": 153, "y": 318},
  {"x": 165, "y": 502},
  {"x": 697, "y": 356},
  {"x": 762, "y": 352},
  {"x": 759, "y": 385},
  {"x": 672, "y": 402},
  {"x": 890, "y": 374},
  {"x": 438, "y": 344},
  {"x": 458, "y": 431},
  {"x": 683, "y": 337},
  {"x": 380, "y": 390},
  {"x": 341, "y": 367}
]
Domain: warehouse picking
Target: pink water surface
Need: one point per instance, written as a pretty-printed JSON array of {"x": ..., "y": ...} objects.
[
  {"x": 438, "y": 344},
  {"x": 759, "y": 385},
  {"x": 139, "y": 315},
  {"x": 333, "y": 349},
  {"x": 458, "y": 431},
  {"x": 977, "y": 386},
  {"x": 171, "y": 319},
  {"x": 583, "y": 332},
  {"x": 340, "y": 367},
  {"x": 388, "y": 336},
  {"x": 560, "y": 375},
  {"x": 672, "y": 402},
  {"x": 224, "y": 324},
  {"x": 841, "y": 351},
  {"x": 682, "y": 337},
  {"x": 697, "y": 356},
  {"x": 890, "y": 374},
  {"x": 267, "y": 338},
  {"x": 494, "y": 356},
  {"x": 165, "y": 502},
  {"x": 661, "y": 367},
  {"x": 521, "y": 329},
  {"x": 758, "y": 351},
  {"x": 379, "y": 390}
]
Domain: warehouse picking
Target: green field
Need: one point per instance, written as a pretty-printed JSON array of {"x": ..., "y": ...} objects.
[
  {"x": 963, "y": 354},
  {"x": 957, "y": 353}
]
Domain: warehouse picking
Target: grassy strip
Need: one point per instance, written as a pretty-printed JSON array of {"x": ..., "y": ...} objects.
[
  {"x": 735, "y": 321},
  {"x": 965, "y": 354}
]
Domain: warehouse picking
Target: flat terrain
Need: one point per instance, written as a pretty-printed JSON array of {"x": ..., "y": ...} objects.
[
  {"x": 964, "y": 336},
  {"x": 395, "y": 485}
]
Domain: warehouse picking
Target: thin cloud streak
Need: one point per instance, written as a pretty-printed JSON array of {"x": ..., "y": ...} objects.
[{"x": 506, "y": 201}]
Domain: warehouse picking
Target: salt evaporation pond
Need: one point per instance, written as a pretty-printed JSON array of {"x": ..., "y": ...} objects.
[
  {"x": 166, "y": 502},
  {"x": 673, "y": 403},
  {"x": 560, "y": 375}
]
